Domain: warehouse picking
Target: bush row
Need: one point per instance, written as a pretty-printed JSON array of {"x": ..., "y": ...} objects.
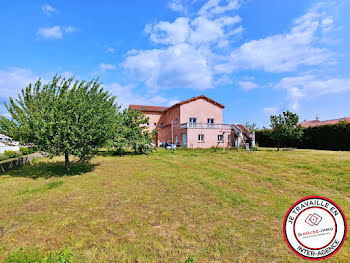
[
  {"x": 325, "y": 137},
  {"x": 13, "y": 154}
]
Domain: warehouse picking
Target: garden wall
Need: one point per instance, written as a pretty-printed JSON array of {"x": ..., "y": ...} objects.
[
  {"x": 11, "y": 163},
  {"x": 325, "y": 137}
]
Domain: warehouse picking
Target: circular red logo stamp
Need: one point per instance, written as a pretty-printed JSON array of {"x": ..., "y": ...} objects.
[{"x": 315, "y": 228}]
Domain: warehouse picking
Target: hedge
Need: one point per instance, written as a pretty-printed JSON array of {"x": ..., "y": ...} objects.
[{"x": 325, "y": 137}]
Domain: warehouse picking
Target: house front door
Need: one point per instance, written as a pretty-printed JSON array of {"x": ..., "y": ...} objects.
[{"x": 184, "y": 140}]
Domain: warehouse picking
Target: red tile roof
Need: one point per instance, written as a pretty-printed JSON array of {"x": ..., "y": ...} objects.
[
  {"x": 161, "y": 109},
  {"x": 148, "y": 108},
  {"x": 314, "y": 123}
]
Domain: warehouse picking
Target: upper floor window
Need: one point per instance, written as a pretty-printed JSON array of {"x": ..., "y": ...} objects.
[
  {"x": 175, "y": 121},
  {"x": 193, "y": 120},
  {"x": 147, "y": 123},
  {"x": 155, "y": 124},
  {"x": 210, "y": 121},
  {"x": 220, "y": 138}
]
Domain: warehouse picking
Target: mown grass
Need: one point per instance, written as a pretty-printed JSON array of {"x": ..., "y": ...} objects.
[{"x": 183, "y": 206}]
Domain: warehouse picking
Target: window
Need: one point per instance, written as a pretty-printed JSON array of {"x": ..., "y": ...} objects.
[
  {"x": 220, "y": 138},
  {"x": 147, "y": 123},
  {"x": 210, "y": 121},
  {"x": 155, "y": 124},
  {"x": 162, "y": 124},
  {"x": 229, "y": 138},
  {"x": 200, "y": 137},
  {"x": 175, "y": 121},
  {"x": 176, "y": 140},
  {"x": 193, "y": 120}
]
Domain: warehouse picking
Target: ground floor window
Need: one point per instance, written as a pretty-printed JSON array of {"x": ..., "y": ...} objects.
[
  {"x": 200, "y": 137},
  {"x": 229, "y": 138},
  {"x": 176, "y": 139},
  {"x": 220, "y": 138}
]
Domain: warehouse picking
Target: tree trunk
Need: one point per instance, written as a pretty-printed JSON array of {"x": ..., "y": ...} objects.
[
  {"x": 66, "y": 161},
  {"x": 278, "y": 145}
]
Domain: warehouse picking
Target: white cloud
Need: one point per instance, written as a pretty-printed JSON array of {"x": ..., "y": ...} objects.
[
  {"x": 110, "y": 50},
  {"x": 169, "y": 33},
  {"x": 197, "y": 50},
  {"x": 247, "y": 85},
  {"x": 48, "y": 10},
  {"x": 70, "y": 29},
  {"x": 271, "y": 111},
  {"x": 311, "y": 86},
  {"x": 285, "y": 52},
  {"x": 177, "y": 5},
  {"x": 178, "y": 66},
  {"x": 55, "y": 32},
  {"x": 187, "y": 59},
  {"x": 104, "y": 67},
  {"x": 126, "y": 95},
  {"x": 198, "y": 31},
  {"x": 13, "y": 80},
  {"x": 213, "y": 7}
]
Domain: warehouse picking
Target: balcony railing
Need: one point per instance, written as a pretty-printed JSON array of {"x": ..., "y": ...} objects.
[{"x": 191, "y": 125}]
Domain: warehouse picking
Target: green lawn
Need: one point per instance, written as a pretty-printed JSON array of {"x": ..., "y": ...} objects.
[{"x": 168, "y": 207}]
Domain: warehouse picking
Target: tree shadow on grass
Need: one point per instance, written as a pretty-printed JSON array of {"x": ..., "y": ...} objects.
[{"x": 50, "y": 169}]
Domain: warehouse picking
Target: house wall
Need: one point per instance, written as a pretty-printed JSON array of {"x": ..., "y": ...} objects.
[
  {"x": 202, "y": 110},
  {"x": 154, "y": 117},
  {"x": 210, "y": 138},
  {"x": 4, "y": 148},
  {"x": 170, "y": 130}
]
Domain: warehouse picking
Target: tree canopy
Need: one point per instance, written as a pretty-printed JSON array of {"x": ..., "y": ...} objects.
[
  {"x": 132, "y": 133},
  {"x": 64, "y": 117},
  {"x": 285, "y": 127}
]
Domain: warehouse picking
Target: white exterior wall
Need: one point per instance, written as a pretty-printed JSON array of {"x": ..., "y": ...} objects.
[{"x": 4, "y": 148}]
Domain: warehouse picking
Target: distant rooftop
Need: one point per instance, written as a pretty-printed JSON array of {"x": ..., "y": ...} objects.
[{"x": 314, "y": 123}]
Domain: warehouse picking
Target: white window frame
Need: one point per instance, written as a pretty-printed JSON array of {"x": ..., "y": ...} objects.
[
  {"x": 192, "y": 120},
  {"x": 200, "y": 137},
  {"x": 211, "y": 121},
  {"x": 222, "y": 137}
]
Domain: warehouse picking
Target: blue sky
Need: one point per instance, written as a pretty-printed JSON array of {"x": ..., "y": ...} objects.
[{"x": 256, "y": 57}]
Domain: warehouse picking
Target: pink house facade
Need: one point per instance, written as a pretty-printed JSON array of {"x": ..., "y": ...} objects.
[{"x": 194, "y": 123}]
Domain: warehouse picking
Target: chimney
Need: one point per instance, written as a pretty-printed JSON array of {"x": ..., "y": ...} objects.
[{"x": 316, "y": 116}]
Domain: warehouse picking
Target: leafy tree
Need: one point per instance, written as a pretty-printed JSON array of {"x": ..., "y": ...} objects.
[
  {"x": 131, "y": 133},
  {"x": 64, "y": 117},
  {"x": 285, "y": 127},
  {"x": 251, "y": 126}
]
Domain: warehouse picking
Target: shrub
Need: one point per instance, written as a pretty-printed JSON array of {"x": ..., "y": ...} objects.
[
  {"x": 10, "y": 154},
  {"x": 3, "y": 157},
  {"x": 325, "y": 137},
  {"x": 26, "y": 150},
  {"x": 18, "y": 154}
]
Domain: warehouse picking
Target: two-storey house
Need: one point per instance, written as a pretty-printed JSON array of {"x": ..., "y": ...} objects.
[{"x": 194, "y": 123}]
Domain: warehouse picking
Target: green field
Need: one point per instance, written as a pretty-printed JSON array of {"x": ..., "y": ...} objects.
[{"x": 183, "y": 206}]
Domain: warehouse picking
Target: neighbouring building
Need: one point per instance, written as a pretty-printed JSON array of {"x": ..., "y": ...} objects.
[
  {"x": 317, "y": 122},
  {"x": 6, "y": 144},
  {"x": 194, "y": 123}
]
